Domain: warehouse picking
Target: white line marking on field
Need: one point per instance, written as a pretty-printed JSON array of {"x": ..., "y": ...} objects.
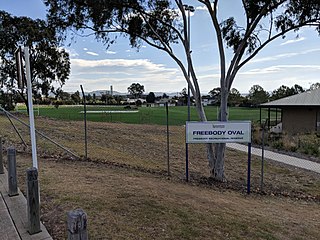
[{"x": 110, "y": 111}]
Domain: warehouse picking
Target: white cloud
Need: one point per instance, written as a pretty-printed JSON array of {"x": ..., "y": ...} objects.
[
  {"x": 203, "y": 7},
  {"x": 279, "y": 68},
  {"x": 293, "y": 41},
  {"x": 312, "y": 50},
  {"x": 273, "y": 58},
  {"x": 146, "y": 63},
  {"x": 96, "y": 74},
  {"x": 283, "y": 55},
  {"x": 110, "y": 52},
  {"x": 92, "y": 53},
  {"x": 85, "y": 49}
]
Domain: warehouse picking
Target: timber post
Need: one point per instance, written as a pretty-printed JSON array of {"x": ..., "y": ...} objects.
[
  {"x": 33, "y": 203},
  {"x": 77, "y": 225},
  {"x": 12, "y": 172},
  {"x": 1, "y": 159}
]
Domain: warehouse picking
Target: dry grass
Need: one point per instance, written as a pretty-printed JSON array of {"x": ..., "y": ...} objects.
[{"x": 127, "y": 195}]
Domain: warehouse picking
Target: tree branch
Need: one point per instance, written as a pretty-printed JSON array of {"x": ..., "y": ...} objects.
[
  {"x": 268, "y": 41},
  {"x": 213, "y": 15},
  {"x": 241, "y": 49}
]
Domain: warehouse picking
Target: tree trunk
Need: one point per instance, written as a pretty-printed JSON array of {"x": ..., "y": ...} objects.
[
  {"x": 220, "y": 148},
  {"x": 202, "y": 115},
  {"x": 218, "y": 171}
]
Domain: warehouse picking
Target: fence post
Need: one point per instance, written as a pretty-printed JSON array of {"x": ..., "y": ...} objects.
[
  {"x": 77, "y": 225},
  {"x": 33, "y": 206},
  {"x": 1, "y": 160},
  {"x": 12, "y": 172},
  {"x": 262, "y": 159}
]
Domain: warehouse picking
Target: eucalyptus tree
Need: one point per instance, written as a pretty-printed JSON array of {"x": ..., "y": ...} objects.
[
  {"x": 50, "y": 63},
  {"x": 314, "y": 86},
  {"x": 151, "y": 97},
  {"x": 162, "y": 24},
  {"x": 136, "y": 89},
  {"x": 257, "y": 95},
  {"x": 285, "y": 91}
]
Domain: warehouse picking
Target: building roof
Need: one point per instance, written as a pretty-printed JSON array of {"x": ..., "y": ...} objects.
[{"x": 305, "y": 99}]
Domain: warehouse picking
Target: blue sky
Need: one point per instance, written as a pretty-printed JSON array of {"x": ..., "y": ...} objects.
[{"x": 286, "y": 61}]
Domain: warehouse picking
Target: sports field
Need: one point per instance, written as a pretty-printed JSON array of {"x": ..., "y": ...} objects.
[{"x": 146, "y": 115}]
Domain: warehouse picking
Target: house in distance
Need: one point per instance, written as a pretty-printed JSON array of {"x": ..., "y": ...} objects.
[{"x": 300, "y": 113}]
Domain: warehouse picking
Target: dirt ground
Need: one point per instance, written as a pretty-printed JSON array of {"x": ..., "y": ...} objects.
[{"x": 126, "y": 191}]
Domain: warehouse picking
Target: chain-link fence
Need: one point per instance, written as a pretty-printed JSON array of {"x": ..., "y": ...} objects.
[{"x": 143, "y": 147}]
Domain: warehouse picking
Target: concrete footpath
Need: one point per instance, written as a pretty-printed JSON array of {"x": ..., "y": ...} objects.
[
  {"x": 289, "y": 160},
  {"x": 13, "y": 216}
]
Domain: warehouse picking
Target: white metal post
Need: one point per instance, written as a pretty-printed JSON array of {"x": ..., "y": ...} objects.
[{"x": 30, "y": 105}]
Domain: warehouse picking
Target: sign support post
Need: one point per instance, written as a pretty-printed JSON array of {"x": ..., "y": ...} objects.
[
  {"x": 168, "y": 141},
  {"x": 249, "y": 168}
]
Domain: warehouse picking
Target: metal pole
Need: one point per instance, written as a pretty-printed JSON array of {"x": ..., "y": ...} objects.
[
  {"x": 188, "y": 8},
  {"x": 188, "y": 101},
  {"x": 188, "y": 65},
  {"x": 30, "y": 105},
  {"x": 249, "y": 169},
  {"x": 262, "y": 159},
  {"x": 1, "y": 158},
  {"x": 85, "y": 122},
  {"x": 168, "y": 147},
  {"x": 269, "y": 120},
  {"x": 260, "y": 117}
]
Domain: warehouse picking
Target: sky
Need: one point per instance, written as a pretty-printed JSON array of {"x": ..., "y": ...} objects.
[{"x": 286, "y": 61}]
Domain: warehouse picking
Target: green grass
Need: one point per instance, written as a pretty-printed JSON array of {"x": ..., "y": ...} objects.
[{"x": 148, "y": 115}]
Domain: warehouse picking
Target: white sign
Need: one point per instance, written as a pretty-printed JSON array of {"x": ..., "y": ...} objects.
[{"x": 218, "y": 132}]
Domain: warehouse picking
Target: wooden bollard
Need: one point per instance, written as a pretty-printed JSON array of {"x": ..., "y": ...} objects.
[
  {"x": 33, "y": 206},
  {"x": 1, "y": 159},
  {"x": 12, "y": 172},
  {"x": 77, "y": 225}
]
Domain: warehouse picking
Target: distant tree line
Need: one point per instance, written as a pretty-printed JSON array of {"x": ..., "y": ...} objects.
[{"x": 256, "y": 96}]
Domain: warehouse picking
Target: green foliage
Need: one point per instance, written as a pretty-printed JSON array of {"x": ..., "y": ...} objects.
[
  {"x": 309, "y": 144},
  {"x": 314, "y": 86},
  {"x": 284, "y": 91},
  {"x": 235, "y": 98},
  {"x": 303, "y": 143},
  {"x": 136, "y": 89},
  {"x": 151, "y": 97},
  {"x": 257, "y": 95},
  {"x": 135, "y": 19},
  {"x": 277, "y": 144},
  {"x": 6, "y": 101},
  {"x": 49, "y": 62},
  {"x": 216, "y": 95},
  {"x": 76, "y": 97}
]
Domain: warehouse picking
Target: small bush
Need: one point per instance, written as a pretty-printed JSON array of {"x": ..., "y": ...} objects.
[
  {"x": 57, "y": 103},
  {"x": 278, "y": 144},
  {"x": 306, "y": 144}
]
